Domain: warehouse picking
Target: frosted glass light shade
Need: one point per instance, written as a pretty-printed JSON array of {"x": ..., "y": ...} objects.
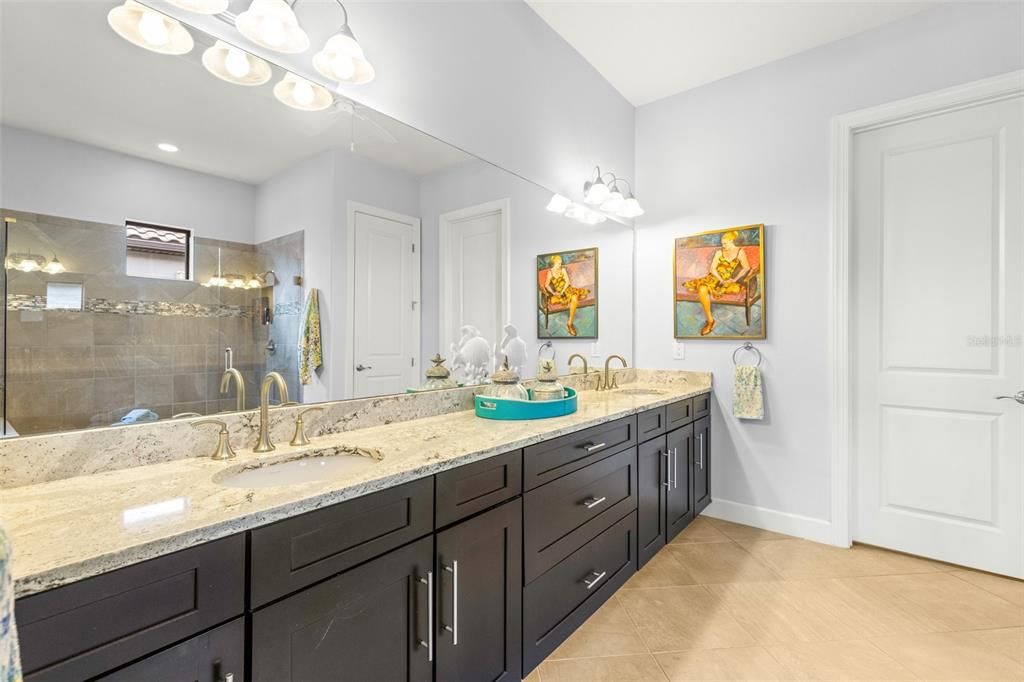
[
  {"x": 595, "y": 193},
  {"x": 202, "y": 6},
  {"x": 613, "y": 203},
  {"x": 272, "y": 24},
  {"x": 342, "y": 60},
  {"x": 630, "y": 208},
  {"x": 235, "y": 66},
  {"x": 149, "y": 29},
  {"x": 301, "y": 94},
  {"x": 559, "y": 204}
]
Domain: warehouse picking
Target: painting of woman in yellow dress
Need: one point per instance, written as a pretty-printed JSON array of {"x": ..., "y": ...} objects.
[
  {"x": 567, "y": 294},
  {"x": 719, "y": 281}
]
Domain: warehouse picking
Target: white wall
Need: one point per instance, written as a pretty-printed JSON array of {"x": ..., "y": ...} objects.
[
  {"x": 755, "y": 148},
  {"x": 313, "y": 196},
  {"x": 489, "y": 77},
  {"x": 44, "y": 174},
  {"x": 533, "y": 231}
]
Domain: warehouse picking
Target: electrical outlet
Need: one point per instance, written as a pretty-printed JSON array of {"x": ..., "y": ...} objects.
[
  {"x": 595, "y": 350},
  {"x": 678, "y": 351}
]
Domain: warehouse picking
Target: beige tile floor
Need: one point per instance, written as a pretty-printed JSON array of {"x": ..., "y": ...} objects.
[{"x": 729, "y": 602}]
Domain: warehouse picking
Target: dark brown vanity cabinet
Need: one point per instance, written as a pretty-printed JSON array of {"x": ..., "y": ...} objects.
[
  {"x": 674, "y": 476},
  {"x": 479, "y": 573},
  {"x": 369, "y": 623}
]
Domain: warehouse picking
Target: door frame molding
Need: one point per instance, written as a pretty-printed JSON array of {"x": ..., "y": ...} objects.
[
  {"x": 844, "y": 127},
  {"x": 444, "y": 226},
  {"x": 353, "y": 207}
]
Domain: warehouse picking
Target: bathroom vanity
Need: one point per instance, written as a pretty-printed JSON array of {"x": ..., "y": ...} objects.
[{"x": 476, "y": 570}]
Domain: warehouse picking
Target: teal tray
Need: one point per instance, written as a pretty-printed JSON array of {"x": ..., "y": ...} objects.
[{"x": 511, "y": 409}]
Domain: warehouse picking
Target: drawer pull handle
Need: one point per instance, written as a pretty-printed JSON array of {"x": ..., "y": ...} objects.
[
  {"x": 230, "y": 677},
  {"x": 597, "y": 578},
  {"x": 675, "y": 465},
  {"x": 700, "y": 439},
  {"x": 593, "y": 502},
  {"x": 429, "y": 582},
  {"x": 454, "y": 627},
  {"x": 590, "y": 447},
  {"x": 668, "y": 469}
]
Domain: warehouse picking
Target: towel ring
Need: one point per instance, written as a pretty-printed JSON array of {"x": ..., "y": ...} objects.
[{"x": 750, "y": 347}]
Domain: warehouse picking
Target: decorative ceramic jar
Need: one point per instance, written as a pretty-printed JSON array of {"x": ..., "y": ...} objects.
[
  {"x": 505, "y": 384},
  {"x": 547, "y": 387}
]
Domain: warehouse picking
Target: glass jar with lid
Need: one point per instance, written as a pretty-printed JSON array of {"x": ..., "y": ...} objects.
[
  {"x": 505, "y": 384},
  {"x": 548, "y": 387},
  {"x": 438, "y": 376}
]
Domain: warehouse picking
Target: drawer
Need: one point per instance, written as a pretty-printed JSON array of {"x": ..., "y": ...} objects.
[
  {"x": 679, "y": 413},
  {"x": 650, "y": 424},
  {"x": 291, "y": 554},
  {"x": 559, "y": 456},
  {"x": 564, "y": 515},
  {"x": 701, "y": 405},
  {"x": 209, "y": 657},
  {"x": 475, "y": 487},
  {"x": 95, "y": 625},
  {"x": 560, "y": 601}
]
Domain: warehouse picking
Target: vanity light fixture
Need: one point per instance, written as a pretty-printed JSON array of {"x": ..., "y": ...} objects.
[
  {"x": 342, "y": 59},
  {"x": 595, "y": 192},
  {"x": 299, "y": 93},
  {"x": 202, "y": 6},
  {"x": 272, "y": 24},
  {"x": 559, "y": 204},
  {"x": 167, "y": 147},
  {"x": 54, "y": 267},
  {"x": 609, "y": 197},
  {"x": 233, "y": 65},
  {"x": 150, "y": 29},
  {"x": 30, "y": 262}
]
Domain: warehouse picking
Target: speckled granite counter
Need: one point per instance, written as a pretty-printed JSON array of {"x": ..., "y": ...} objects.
[{"x": 70, "y": 529}]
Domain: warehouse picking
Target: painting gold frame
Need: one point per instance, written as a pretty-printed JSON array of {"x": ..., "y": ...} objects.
[{"x": 761, "y": 275}]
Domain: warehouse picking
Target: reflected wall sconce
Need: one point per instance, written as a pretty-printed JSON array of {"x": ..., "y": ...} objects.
[
  {"x": 150, "y": 29},
  {"x": 272, "y": 24},
  {"x": 233, "y": 65},
  {"x": 342, "y": 59},
  {"x": 30, "y": 262},
  {"x": 601, "y": 191},
  {"x": 299, "y": 93},
  {"x": 202, "y": 6}
]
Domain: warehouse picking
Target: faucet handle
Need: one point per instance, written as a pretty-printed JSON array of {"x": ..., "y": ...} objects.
[
  {"x": 299, "y": 437},
  {"x": 224, "y": 449}
]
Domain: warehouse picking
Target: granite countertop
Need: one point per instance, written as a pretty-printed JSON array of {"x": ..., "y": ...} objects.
[{"x": 66, "y": 530}]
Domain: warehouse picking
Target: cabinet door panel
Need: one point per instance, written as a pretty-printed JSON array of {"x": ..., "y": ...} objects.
[
  {"x": 679, "y": 502},
  {"x": 544, "y": 462},
  {"x": 650, "y": 424},
  {"x": 480, "y": 574},
  {"x": 471, "y": 488},
  {"x": 209, "y": 657},
  {"x": 652, "y": 487},
  {"x": 702, "y": 464},
  {"x": 365, "y": 624},
  {"x": 679, "y": 413}
]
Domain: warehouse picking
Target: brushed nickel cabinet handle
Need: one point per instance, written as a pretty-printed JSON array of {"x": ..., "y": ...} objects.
[
  {"x": 675, "y": 465},
  {"x": 429, "y": 582},
  {"x": 597, "y": 578},
  {"x": 590, "y": 447},
  {"x": 668, "y": 469},
  {"x": 454, "y": 629},
  {"x": 593, "y": 502}
]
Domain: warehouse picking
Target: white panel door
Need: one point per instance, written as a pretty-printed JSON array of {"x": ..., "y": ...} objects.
[
  {"x": 385, "y": 320},
  {"x": 473, "y": 272},
  {"x": 938, "y": 256}
]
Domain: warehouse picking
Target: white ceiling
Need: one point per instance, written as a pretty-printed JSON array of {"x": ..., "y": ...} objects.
[
  {"x": 650, "y": 50},
  {"x": 66, "y": 73}
]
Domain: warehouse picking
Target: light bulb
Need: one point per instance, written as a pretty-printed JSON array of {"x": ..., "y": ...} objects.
[
  {"x": 236, "y": 62},
  {"x": 303, "y": 93},
  {"x": 54, "y": 267},
  {"x": 28, "y": 265},
  {"x": 344, "y": 67},
  {"x": 153, "y": 29},
  {"x": 272, "y": 31}
]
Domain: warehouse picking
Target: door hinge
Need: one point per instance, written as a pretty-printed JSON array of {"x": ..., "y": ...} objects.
[
  {"x": 414, "y": 248},
  {"x": 412, "y": 362}
]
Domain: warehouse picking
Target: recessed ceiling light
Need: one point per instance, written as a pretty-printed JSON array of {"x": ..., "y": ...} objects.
[{"x": 167, "y": 147}]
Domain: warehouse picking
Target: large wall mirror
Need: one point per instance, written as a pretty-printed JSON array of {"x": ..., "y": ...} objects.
[{"x": 164, "y": 228}]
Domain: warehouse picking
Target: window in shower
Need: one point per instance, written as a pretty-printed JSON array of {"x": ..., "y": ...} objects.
[{"x": 157, "y": 251}]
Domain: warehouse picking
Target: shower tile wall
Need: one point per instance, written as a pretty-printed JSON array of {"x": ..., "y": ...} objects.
[
  {"x": 138, "y": 342},
  {"x": 284, "y": 256}
]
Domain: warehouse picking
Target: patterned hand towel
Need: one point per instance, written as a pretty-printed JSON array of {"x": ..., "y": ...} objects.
[
  {"x": 310, "y": 353},
  {"x": 10, "y": 662},
  {"x": 747, "y": 395}
]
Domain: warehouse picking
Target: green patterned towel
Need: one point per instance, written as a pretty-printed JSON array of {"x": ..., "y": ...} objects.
[
  {"x": 747, "y": 396},
  {"x": 310, "y": 352}
]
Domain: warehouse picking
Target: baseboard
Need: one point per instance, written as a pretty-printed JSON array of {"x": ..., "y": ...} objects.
[{"x": 771, "y": 519}]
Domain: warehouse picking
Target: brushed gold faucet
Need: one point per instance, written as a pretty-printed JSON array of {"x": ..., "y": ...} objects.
[
  {"x": 223, "y": 449},
  {"x": 263, "y": 443},
  {"x": 609, "y": 385},
  {"x": 586, "y": 369},
  {"x": 225, "y": 383}
]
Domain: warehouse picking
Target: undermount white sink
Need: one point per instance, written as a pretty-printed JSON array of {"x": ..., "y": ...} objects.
[
  {"x": 294, "y": 471},
  {"x": 641, "y": 391}
]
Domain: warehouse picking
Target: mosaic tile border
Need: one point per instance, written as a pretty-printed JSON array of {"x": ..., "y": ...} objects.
[{"x": 29, "y": 302}]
